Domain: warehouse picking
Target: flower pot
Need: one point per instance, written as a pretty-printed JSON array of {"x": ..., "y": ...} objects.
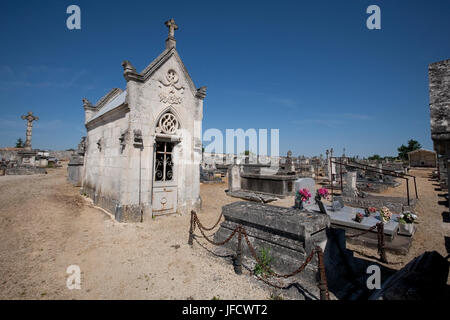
[
  {"x": 384, "y": 219},
  {"x": 406, "y": 229},
  {"x": 299, "y": 204},
  {"x": 359, "y": 219}
]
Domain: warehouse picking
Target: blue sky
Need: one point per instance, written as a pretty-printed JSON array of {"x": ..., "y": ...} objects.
[{"x": 309, "y": 68}]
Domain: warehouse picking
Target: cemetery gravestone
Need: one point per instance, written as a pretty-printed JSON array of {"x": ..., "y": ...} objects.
[
  {"x": 307, "y": 183},
  {"x": 350, "y": 189},
  {"x": 234, "y": 178}
]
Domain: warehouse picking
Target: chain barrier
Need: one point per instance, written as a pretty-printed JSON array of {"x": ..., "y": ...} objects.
[
  {"x": 380, "y": 239},
  {"x": 324, "y": 294},
  {"x": 381, "y": 249},
  {"x": 208, "y": 229},
  {"x": 196, "y": 221},
  {"x": 362, "y": 233}
]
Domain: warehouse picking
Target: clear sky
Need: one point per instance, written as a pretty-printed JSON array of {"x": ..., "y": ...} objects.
[{"x": 309, "y": 68}]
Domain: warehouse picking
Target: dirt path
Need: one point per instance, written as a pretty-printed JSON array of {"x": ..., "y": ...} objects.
[{"x": 45, "y": 226}]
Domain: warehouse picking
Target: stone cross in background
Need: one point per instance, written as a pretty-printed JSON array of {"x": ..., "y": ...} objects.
[
  {"x": 172, "y": 27},
  {"x": 30, "y": 118}
]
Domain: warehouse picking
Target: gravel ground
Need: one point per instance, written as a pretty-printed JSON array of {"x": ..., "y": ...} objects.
[{"x": 45, "y": 226}]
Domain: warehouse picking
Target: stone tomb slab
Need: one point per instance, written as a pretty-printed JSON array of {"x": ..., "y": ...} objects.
[
  {"x": 346, "y": 216},
  {"x": 343, "y": 219},
  {"x": 278, "y": 185},
  {"x": 289, "y": 234}
]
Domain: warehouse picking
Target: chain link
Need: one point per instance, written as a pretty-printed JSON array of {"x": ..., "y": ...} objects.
[
  {"x": 203, "y": 227},
  {"x": 362, "y": 233},
  {"x": 196, "y": 221}
]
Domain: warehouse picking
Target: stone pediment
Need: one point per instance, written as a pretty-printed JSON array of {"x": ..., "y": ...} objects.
[{"x": 131, "y": 74}]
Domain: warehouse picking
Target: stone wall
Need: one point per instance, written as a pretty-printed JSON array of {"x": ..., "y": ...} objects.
[
  {"x": 439, "y": 82},
  {"x": 422, "y": 158},
  {"x": 104, "y": 162},
  {"x": 61, "y": 154},
  {"x": 12, "y": 154}
]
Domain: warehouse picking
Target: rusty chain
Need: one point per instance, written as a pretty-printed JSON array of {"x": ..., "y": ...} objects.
[
  {"x": 362, "y": 233},
  {"x": 203, "y": 227},
  {"x": 380, "y": 239},
  {"x": 196, "y": 221}
]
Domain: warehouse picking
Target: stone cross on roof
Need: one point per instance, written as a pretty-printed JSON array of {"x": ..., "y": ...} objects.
[
  {"x": 30, "y": 118},
  {"x": 172, "y": 27}
]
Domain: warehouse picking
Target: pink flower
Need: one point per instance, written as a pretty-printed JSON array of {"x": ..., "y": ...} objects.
[{"x": 304, "y": 194}]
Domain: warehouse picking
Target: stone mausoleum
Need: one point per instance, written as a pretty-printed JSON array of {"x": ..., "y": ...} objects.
[{"x": 143, "y": 144}]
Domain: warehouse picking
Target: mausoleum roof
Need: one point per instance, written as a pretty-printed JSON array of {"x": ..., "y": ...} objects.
[
  {"x": 421, "y": 150},
  {"x": 115, "y": 102}
]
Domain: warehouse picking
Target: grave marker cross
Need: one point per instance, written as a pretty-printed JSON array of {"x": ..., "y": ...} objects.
[{"x": 30, "y": 118}]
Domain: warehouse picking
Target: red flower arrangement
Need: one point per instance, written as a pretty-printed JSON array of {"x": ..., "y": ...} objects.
[
  {"x": 359, "y": 217},
  {"x": 303, "y": 194},
  {"x": 323, "y": 192}
]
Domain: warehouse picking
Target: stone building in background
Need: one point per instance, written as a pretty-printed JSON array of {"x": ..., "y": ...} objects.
[
  {"x": 439, "y": 79},
  {"x": 143, "y": 144},
  {"x": 422, "y": 158}
]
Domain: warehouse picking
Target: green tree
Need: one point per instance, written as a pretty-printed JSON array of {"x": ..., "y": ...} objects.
[
  {"x": 375, "y": 157},
  {"x": 403, "y": 150},
  {"x": 19, "y": 143}
]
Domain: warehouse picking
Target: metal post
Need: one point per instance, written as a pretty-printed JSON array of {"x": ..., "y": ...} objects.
[
  {"x": 191, "y": 229},
  {"x": 381, "y": 251},
  {"x": 331, "y": 179},
  {"x": 407, "y": 189},
  {"x": 323, "y": 286},
  {"x": 238, "y": 262},
  {"x": 415, "y": 187}
]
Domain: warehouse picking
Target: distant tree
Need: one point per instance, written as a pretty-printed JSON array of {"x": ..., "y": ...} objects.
[
  {"x": 246, "y": 152},
  {"x": 403, "y": 150},
  {"x": 19, "y": 143},
  {"x": 375, "y": 157},
  {"x": 70, "y": 149}
]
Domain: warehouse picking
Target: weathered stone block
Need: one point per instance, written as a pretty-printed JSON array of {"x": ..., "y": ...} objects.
[
  {"x": 270, "y": 184},
  {"x": 424, "y": 278},
  {"x": 289, "y": 234}
]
